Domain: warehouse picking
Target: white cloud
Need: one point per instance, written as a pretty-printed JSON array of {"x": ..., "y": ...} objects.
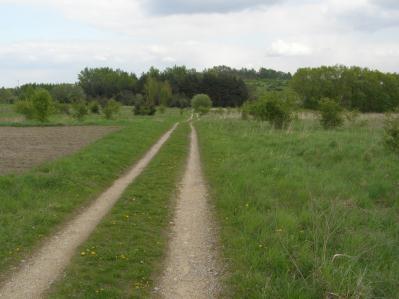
[
  {"x": 282, "y": 48},
  {"x": 284, "y": 35}
]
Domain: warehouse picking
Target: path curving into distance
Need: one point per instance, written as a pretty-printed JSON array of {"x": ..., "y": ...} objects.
[
  {"x": 192, "y": 268},
  {"x": 37, "y": 274}
]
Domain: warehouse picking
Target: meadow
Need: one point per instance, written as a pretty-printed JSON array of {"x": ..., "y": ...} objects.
[{"x": 304, "y": 212}]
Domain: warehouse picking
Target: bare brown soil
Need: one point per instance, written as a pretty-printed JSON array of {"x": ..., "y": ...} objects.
[{"x": 24, "y": 148}]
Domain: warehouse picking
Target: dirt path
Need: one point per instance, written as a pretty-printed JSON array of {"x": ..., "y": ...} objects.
[
  {"x": 36, "y": 275},
  {"x": 192, "y": 262}
]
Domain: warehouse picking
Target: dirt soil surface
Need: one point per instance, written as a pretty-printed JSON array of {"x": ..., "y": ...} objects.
[
  {"x": 24, "y": 148},
  {"x": 36, "y": 275},
  {"x": 192, "y": 265}
]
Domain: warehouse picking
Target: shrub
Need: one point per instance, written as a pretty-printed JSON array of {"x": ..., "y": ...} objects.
[
  {"x": 352, "y": 116},
  {"x": 79, "y": 110},
  {"x": 63, "y": 108},
  {"x": 331, "y": 114},
  {"x": 274, "y": 108},
  {"x": 161, "y": 109},
  {"x": 43, "y": 104},
  {"x": 391, "y": 138},
  {"x": 39, "y": 107},
  {"x": 25, "y": 107},
  {"x": 111, "y": 108},
  {"x": 94, "y": 107},
  {"x": 143, "y": 107},
  {"x": 201, "y": 103}
]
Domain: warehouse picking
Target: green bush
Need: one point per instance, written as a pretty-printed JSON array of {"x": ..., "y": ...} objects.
[
  {"x": 391, "y": 138},
  {"x": 331, "y": 114},
  {"x": 39, "y": 106},
  {"x": 79, "y": 109},
  {"x": 43, "y": 104},
  {"x": 201, "y": 103},
  {"x": 143, "y": 106},
  {"x": 94, "y": 107},
  {"x": 273, "y": 107},
  {"x": 111, "y": 108},
  {"x": 25, "y": 107},
  {"x": 63, "y": 108}
]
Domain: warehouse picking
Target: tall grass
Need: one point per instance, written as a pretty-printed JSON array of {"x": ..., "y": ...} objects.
[{"x": 304, "y": 213}]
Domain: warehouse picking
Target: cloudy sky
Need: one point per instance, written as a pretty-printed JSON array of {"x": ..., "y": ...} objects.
[{"x": 52, "y": 40}]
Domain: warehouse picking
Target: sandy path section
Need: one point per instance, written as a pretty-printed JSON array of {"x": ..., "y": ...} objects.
[
  {"x": 37, "y": 274},
  {"x": 192, "y": 267}
]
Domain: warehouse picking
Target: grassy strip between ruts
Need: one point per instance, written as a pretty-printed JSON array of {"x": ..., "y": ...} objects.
[
  {"x": 120, "y": 258},
  {"x": 304, "y": 214},
  {"x": 33, "y": 204}
]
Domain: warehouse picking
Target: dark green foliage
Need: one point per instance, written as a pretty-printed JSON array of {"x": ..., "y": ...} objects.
[
  {"x": 25, "y": 107},
  {"x": 63, "y": 108},
  {"x": 331, "y": 114},
  {"x": 142, "y": 106},
  {"x": 106, "y": 82},
  {"x": 7, "y": 96},
  {"x": 201, "y": 103},
  {"x": 224, "y": 90},
  {"x": 80, "y": 110},
  {"x": 274, "y": 107},
  {"x": 391, "y": 138},
  {"x": 354, "y": 88},
  {"x": 94, "y": 107},
  {"x": 111, "y": 108},
  {"x": 67, "y": 93}
]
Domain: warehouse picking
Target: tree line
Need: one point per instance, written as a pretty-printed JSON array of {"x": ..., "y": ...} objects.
[{"x": 353, "y": 88}]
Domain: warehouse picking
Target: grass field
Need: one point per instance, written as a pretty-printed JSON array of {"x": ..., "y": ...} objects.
[
  {"x": 34, "y": 203},
  {"x": 306, "y": 213},
  {"x": 124, "y": 266}
]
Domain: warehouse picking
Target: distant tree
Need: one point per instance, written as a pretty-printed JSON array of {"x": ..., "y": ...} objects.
[
  {"x": 201, "y": 103},
  {"x": 331, "y": 114},
  {"x": 106, "y": 82},
  {"x": 7, "y": 96},
  {"x": 80, "y": 109},
  {"x": 111, "y": 109},
  {"x": 68, "y": 93},
  {"x": 165, "y": 94},
  {"x": 274, "y": 107}
]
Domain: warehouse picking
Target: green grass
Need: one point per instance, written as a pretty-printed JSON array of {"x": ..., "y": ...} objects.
[
  {"x": 34, "y": 203},
  {"x": 304, "y": 214},
  {"x": 120, "y": 258}
]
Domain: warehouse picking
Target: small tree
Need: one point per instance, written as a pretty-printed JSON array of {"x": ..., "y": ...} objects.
[
  {"x": 391, "y": 138},
  {"x": 331, "y": 114},
  {"x": 274, "y": 108},
  {"x": 79, "y": 110},
  {"x": 111, "y": 108},
  {"x": 94, "y": 107},
  {"x": 201, "y": 103},
  {"x": 43, "y": 104}
]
